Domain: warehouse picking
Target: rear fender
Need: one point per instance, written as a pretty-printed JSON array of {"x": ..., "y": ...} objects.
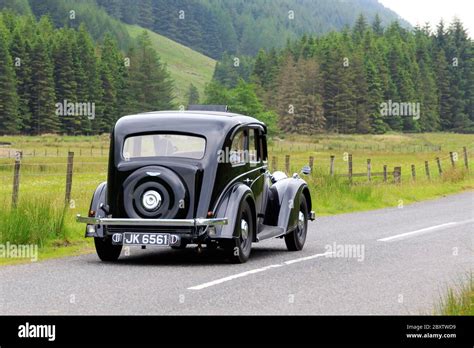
[
  {"x": 290, "y": 191},
  {"x": 229, "y": 208},
  {"x": 99, "y": 198}
]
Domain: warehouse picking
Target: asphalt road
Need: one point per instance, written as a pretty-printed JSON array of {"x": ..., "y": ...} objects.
[{"x": 401, "y": 262}]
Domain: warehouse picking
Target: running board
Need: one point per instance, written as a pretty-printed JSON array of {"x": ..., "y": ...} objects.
[{"x": 267, "y": 232}]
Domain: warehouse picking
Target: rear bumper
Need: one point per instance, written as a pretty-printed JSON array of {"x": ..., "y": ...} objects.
[{"x": 152, "y": 222}]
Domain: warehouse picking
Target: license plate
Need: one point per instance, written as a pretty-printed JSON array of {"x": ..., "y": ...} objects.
[{"x": 152, "y": 239}]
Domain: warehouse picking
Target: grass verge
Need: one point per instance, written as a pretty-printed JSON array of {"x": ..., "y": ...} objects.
[{"x": 458, "y": 300}]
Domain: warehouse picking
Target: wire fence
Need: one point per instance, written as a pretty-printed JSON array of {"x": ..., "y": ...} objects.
[
  {"x": 87, "y": 173},
  {"x": 276, "y": 147}
]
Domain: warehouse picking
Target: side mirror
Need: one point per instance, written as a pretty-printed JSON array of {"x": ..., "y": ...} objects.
[{"x": 306, "y": 170}]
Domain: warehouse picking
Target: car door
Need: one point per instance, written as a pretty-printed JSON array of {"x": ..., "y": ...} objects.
[{"x": 257, "y": 168}]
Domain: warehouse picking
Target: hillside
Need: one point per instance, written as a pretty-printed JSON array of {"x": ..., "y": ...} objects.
[
  {"x": 185, "y": 65},
  {"x": 243, "y": 26}
]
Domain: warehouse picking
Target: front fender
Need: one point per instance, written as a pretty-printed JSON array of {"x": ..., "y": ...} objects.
[
  {"x": 98, "y": 198},
  {"x": 290, "y": 191},
  {"x": 229, "y": 207}
]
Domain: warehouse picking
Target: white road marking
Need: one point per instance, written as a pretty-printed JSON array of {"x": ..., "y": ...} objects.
[
  {"x": 253, "y": 271},
  {"x": 232, "y": 277},
  {"x": 424, "y": 230},
  {"x": 308, "y": 258}
]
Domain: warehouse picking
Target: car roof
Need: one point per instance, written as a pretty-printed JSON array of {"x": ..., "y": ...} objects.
[{"x": 199, "y": 122}]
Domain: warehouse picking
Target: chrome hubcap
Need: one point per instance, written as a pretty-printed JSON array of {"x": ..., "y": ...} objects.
[
  {"x": 301, "y": 221},
  {"x": 244, "y": 229},
  {"x": 151, "y": 200}
]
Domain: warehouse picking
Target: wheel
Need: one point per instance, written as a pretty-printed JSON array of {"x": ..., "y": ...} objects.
[
  {"x": 238, "y": 249},
  {"x": 106, "y": 250},
  {"x": 295, "y": 240}
]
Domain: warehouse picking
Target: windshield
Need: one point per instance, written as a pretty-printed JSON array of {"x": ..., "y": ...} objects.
[{"x": 164, "y": 145}]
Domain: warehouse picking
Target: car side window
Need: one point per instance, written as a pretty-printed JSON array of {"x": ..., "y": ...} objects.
[
  {"x": 253, "y": 146},
  {"x": 237, "y": 150}
]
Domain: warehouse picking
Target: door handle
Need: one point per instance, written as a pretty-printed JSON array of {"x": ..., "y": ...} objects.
[{"x": 248, "y": 181}]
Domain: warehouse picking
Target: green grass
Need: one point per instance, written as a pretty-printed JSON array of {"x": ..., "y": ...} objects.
[
  {"x": 458, "y": 300},
  {"x": 184, "y": 64},
  {"x": 335, "y": 195},
  {"x": 35, "y": 220},
  {"x": 40, "y": 217}
]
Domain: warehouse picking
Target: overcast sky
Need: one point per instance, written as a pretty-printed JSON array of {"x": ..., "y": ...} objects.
[{"x": 422, "y": 11}]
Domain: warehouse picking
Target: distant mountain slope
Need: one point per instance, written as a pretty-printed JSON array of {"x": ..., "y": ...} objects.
[
  {"x": 243, "y": 26},
  {"x": 185, "y": 65}
]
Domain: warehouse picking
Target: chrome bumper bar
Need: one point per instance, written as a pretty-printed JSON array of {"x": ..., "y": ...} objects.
[{"x": 151, "y": 222}]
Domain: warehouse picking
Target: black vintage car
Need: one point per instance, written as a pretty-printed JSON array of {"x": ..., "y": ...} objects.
[{"x": 194, "y": 177}]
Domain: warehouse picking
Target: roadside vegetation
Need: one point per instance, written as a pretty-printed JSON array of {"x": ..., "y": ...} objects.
[
  {"x": 458, "y": 300},
  {"x": 42, "y": 217}
]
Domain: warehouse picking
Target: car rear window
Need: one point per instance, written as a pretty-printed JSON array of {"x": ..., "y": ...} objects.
[{"x": 164, "y": 145}]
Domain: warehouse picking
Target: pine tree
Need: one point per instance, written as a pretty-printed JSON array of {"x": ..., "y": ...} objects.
[
  {"x": 9, "y": 120},
  {"x": 359, "y": 29},
  {"x": 20, "y": 52},
  {"x": 64, "y": 76},
  {"x": 260, "y": 68},
  {"x": 361, "y": 94},
  {"x": 309, "y": 115},
  {"x": 88, "y": 80},
  {"x": 44, "y": 118},
  {"x": 426, "y": 82},
  {"x": 377, "y": 26},
  {"x": 286, "y": 97},
  {"x": 149, "y": 82},
  {"x": 459, "y": 62},
  {"x": 109, "y": 98},
  {"x": 192, "y": 95},
  {"x": 113, "y": 73},
  {"x": 374, "y": 73},
  {"x": 339, "y": 100},
  {"x": 442, "y": 80}
]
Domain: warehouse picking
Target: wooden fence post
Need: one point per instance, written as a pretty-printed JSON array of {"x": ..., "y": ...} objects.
[
  {"x": 274, "y": 164},
  {"x": 427, "y": 170},
  {"x": 451, "y": 156},
  {"x": 466, "y": 160},
  {"x": 369, "y": 169},
  {"x": 331, "y": 166},
  {"x": 16, "y": 180},
  {"x": 440, "y": 169},
  {"x": 397, "y": 175},
  {"x": 413, "y": 172},
  {"x": 287, "y": 164},
  {"x": 311, "y": 163},
  {"x": 70, "y": 162},
  {"x": 350, "y": 168},
  {"x": 385, "y": 173}
]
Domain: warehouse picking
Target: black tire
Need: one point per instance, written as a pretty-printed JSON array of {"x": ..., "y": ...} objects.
[
  {"x": 295, "y": 240},
  {"x": 238, "y": 249},
  {"x": 106, "y": 251}
]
